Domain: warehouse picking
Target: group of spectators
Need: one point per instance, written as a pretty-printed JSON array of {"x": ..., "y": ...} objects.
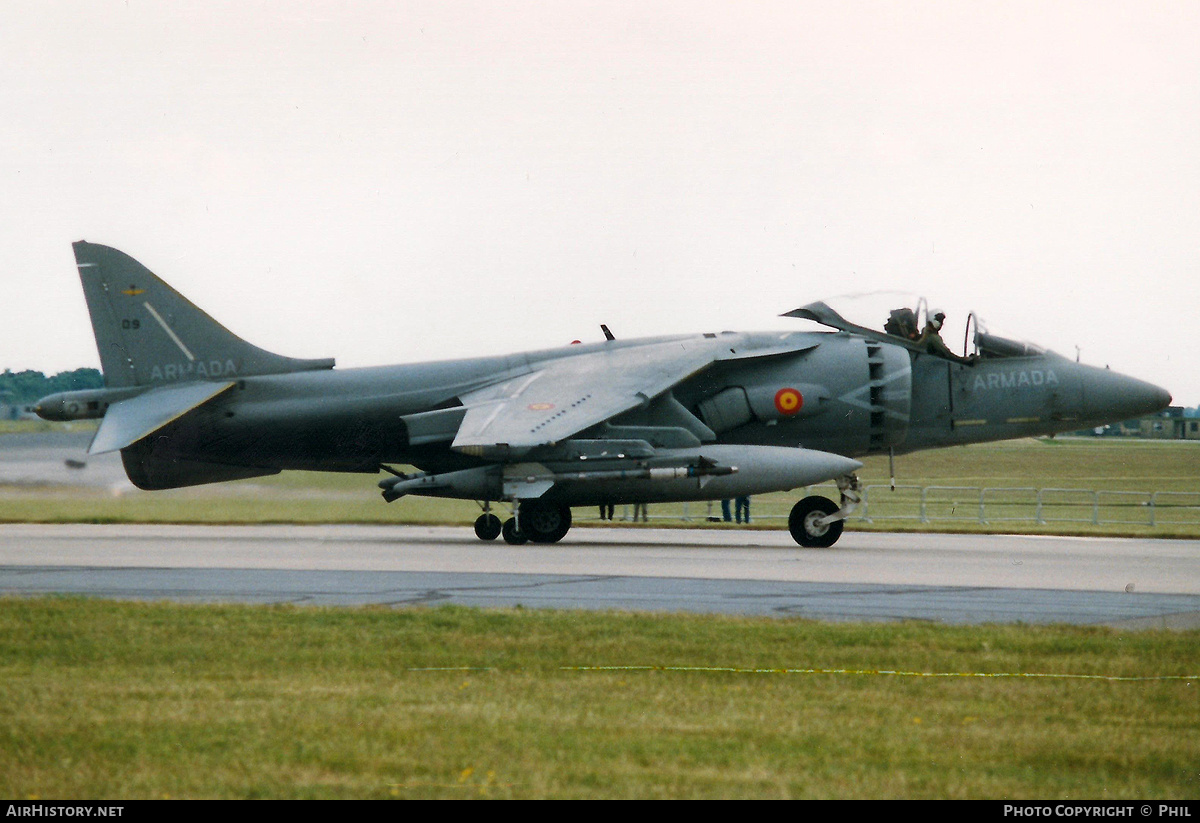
[{"x": 740, "y": 513}]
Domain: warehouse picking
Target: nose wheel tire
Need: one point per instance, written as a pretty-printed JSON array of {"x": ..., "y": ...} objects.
[
  {"x": 487, "y": 527},
  {"x": 803, "y": 525},
  {"x": 544, "y": 522}
]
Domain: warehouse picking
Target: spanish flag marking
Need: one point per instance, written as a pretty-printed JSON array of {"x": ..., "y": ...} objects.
[{"x": 788, "y": 401}]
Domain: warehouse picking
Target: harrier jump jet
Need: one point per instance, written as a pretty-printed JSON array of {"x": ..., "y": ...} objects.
[{"x": 691, "y": 417}]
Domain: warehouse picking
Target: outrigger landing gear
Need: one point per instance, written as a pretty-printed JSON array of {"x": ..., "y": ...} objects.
[
  {"x": 511, "y": 530},
  {"x": 533, "y": 520},
  {"x": 487, "y": 526},
  {"x": 541, "y": 526},
  {"x": 511, "y": 535},
  {"x": 817, "y": 522}
]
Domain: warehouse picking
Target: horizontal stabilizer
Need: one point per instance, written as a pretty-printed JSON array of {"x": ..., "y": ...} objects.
[{"x": 128, "y": 421}]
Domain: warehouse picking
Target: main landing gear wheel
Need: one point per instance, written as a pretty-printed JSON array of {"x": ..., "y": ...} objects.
[
  {"x": 804, "y": 526},
  {"x": 487, "y": 527},
  {"x": 544, "y": 522},
  {"x": 511, "y": 535}
]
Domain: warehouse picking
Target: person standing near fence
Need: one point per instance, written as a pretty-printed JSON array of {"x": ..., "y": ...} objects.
[{"x": 742, "y": 507}]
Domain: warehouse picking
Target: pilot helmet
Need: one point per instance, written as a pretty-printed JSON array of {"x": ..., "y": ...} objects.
[{"x": 939, "y": 317}]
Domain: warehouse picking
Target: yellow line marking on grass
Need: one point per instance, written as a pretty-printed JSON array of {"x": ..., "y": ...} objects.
[
  {"x": 882, "y": 672},
  {"x": 877, "y": 672}
]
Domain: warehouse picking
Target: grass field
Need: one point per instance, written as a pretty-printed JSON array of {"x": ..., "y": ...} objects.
[{"x": 110, "y": 700}]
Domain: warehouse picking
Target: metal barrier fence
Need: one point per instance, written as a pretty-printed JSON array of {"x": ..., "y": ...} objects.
[{"x": 971, "y": 504}]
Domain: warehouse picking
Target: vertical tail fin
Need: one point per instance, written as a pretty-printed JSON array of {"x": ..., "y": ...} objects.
[{"x": 150, "y": 334}]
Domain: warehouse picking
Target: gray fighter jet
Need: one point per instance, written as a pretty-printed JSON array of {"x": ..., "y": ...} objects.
[{"x": 693, "y": 417}]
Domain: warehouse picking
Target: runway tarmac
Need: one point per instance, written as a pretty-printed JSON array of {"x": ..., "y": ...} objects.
[{"x": 1130, "y": 583}]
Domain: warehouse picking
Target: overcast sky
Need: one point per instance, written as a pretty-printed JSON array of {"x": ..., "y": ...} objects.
[{"x": 385, "y": 182}]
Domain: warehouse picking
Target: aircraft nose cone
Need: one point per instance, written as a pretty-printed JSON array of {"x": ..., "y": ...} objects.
[
  {"x": 1162, "y": 397},
  {"x": 1113, "y": 397}
]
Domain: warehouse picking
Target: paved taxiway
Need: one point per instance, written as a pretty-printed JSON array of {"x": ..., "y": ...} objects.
[{"x": 868, "y": 576}]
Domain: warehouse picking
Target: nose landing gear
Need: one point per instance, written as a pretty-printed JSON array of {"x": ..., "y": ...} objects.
[{"x": 817, "y": 522}]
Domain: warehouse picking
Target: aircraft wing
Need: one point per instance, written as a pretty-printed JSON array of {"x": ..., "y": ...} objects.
[
  {"x": 128, "y": 421},
  {"x": 562, "y": 397}
]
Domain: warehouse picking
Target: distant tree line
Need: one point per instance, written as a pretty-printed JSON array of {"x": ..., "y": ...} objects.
[{"x": 23, "y": 388}]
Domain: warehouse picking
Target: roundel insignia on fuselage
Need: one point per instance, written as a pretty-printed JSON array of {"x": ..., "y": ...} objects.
[{"x": 788, "y": 401}]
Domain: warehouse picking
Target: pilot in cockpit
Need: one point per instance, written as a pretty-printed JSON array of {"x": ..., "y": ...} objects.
[
  {"x": 931, "y": 340},
  {"x": 903, "y": 323}
]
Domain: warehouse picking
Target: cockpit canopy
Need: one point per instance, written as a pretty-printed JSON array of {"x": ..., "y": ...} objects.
[{"x": 906, "y": 319}]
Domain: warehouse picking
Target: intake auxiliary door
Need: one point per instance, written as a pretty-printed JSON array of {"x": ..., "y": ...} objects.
[{"x": 890, "y": 391}]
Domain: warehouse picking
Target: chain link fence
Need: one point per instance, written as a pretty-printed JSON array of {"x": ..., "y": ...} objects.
[{"x": 987, "y": 506}]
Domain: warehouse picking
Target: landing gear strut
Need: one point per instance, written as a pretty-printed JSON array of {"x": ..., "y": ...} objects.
[{"x": 817, "y": 522}]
